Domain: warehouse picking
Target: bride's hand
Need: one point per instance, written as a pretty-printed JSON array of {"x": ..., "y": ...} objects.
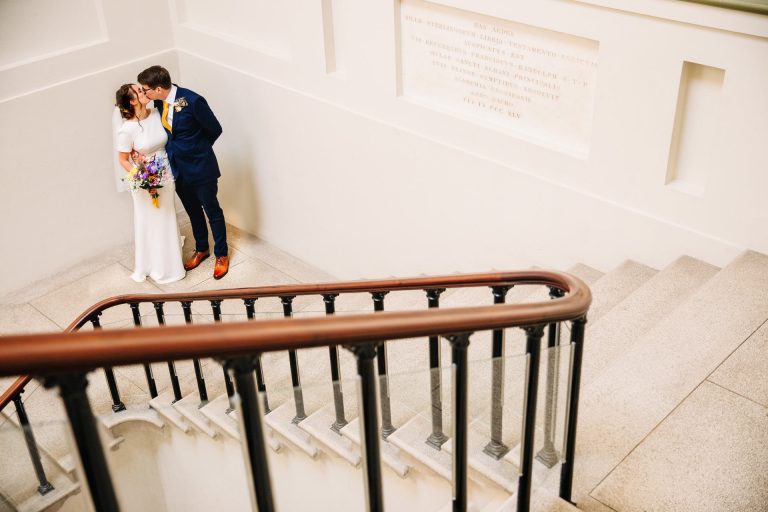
[{"x": 137, "y": 157}]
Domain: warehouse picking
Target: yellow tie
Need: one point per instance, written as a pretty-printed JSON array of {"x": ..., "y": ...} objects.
[{"x": 164, "y": 118}]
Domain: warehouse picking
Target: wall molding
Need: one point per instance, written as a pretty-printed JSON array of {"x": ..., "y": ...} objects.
[
  {"x": 690, "y": 12},
  {"x": 87, "y": 75},
  {"x": 101, "y": 38}
]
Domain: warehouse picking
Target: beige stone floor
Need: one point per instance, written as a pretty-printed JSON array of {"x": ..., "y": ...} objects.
[{"x": 52, "y": 304}]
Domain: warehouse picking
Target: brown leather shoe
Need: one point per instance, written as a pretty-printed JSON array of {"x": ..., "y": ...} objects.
[
  {"x": 196, "y": 259},
  {"x": 221, "y": 268}
]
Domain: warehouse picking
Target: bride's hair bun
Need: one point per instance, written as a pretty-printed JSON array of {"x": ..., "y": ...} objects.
[{"x": 123, "y": 98}]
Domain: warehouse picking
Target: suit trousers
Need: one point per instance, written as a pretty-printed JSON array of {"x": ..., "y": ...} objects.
[{"x": 199, "y": 201}]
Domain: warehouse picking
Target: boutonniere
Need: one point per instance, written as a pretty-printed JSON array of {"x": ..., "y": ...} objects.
[{"x": 180, "y": 104}]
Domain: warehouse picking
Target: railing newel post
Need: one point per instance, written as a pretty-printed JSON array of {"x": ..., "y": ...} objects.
[
  {"x": 114, "y": 391},
  {"x": 29, "y": 437},
  {"x": 147, "y": 367},
  {"x": 253, "y": 430},
  {"x": 250, "y": 311},
  {"x": 293, "y": 360},
  {"x": 369, "y": 426},
  {"x": 202, "y": 391},
  {"x": 566, "y": 470},
  {"x": 175, "y": 385},
  {"x": 496, "y": 447},
  {"x": 533, "y": 335},
  {"x": 459, "y": 345},
  {"x": 548, "y": 454},
  {"x": 437, "y": 438},
  {"x": 89, "y": 448},
  {"x": 216, "y": 309},
  {"x": 329, "y": 299},
  {"x": 387, "y": 428}
]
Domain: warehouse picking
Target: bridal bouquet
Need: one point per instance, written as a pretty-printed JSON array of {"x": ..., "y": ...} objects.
[{"x": 149, "y": 173}]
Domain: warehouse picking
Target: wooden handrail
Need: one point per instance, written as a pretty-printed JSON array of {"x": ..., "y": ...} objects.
[
  {"x": 414, "y": 283},
  {"x": 70, "y": 351}
]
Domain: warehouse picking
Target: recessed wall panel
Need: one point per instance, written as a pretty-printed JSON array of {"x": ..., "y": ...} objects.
[
  {"x": 535, "y": 83},
  {"x": 332, "y": 31},
  {"x": 263, "y": 25},
  {"x": 696, "y": 120},
  {"x": 32, "y": 29}
]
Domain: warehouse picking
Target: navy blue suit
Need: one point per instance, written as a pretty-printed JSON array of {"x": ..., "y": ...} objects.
[{"x": 194, "y": 129}]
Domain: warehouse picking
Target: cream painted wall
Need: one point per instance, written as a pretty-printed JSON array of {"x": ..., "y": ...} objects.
[
  {"x": 340, "y": 170},
  {"x": 323, "y": 157},
  {"x": 166, "y": 469},
  {"x": 59, "y": 68}
]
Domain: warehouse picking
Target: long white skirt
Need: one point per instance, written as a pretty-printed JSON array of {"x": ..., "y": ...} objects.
[{"x": 156, "y": 231}]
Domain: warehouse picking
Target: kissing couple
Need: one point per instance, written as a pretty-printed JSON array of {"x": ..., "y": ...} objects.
[{"x": 165, "y": 149}]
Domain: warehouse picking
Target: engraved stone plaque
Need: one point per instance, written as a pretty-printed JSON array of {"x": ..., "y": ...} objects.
[{"x": 534, "y": 83}]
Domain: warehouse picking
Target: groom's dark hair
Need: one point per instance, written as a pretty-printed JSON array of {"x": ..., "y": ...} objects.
[{"x": 156, "y": 76}]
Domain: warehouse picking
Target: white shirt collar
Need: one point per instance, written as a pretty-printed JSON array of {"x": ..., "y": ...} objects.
[{"x": 172, "y": 94}]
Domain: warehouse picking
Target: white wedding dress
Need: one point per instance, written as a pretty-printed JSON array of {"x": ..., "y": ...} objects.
[{"x": 156, "y": 231}]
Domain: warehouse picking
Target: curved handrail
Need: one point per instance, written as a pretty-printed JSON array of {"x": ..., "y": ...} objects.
[
  {"x": 414, "y": 283},
  {"x": 41, "y": 353}
]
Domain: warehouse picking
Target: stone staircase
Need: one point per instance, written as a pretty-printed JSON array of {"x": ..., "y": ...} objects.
[{"x": 668, "y": 360}]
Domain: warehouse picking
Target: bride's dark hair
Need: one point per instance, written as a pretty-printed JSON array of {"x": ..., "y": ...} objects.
[{"x": 123, "y": 98}]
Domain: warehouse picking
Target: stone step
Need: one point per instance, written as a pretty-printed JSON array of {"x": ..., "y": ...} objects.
[
  {"x": 216, "y": 412},
  {"x": 643, "y": 385},
  {"x": 616, "y": 285},
  {"x": 411, "y": 438},
  {"x": 318, "y": 425},
  {"x": 281, "y": 420},
  {"x": 612, "y": 334},
  {"x": 18, "y": 482},
  {"x": 163, "y": 404},
  {"x": 541, "y": 501},
  {"x": 390, "y": 454},
  {"x": 63, "y": 488},
  {"x": 189, "y": 407}
]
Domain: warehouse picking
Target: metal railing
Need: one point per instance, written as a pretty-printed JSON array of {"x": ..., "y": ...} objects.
[{"x": 62, "y": 360}]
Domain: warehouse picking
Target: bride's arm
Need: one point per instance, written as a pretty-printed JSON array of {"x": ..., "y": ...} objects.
[
  {"x": 127, "y": 156},
  {"x": 125, "y": 161}
]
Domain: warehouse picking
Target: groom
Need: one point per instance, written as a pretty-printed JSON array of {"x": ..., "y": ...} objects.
[{"x": 192, "y": 129}]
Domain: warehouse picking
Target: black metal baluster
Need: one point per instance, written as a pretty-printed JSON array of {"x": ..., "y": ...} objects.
[
  {"x": 333, "y": 352},
  {"x": 437, "y": 437},
  {"x": 117, "y": 404},
  {"x": 186, "y": 306},
  {"x": 381, "y": 359},
  {"x": 566, "y": 470},
  {"x": 253, "y": 431},
  {"x": 533, "y": 348},
  {"x": 89, "y": 448},
  {"x": 371, "y": 451},
  {"x": 496, "y": 447},
  {"x": 147, "y": 367},
  {"x": 548, "y": 454},
  {"x": 45, "y": 486},
  {"x": 216, "y": 308},
  {"x": 459, "y": 346},
  {"x": 171, "y": 366},
  {"x": 293, "y": 359},
  {"x": 250, "y": 311}
]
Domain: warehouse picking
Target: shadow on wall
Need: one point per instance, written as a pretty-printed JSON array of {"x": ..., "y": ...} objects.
[{"x": 237, "y": 189}]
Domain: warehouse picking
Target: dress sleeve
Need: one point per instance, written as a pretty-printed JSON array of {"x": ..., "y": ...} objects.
[{"x": 124, "y": 142}]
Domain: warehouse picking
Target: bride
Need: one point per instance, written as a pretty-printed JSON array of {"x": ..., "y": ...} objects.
[{"x": 156, "y": 232}]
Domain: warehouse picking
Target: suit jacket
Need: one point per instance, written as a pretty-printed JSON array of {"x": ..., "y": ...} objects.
[{"x": 190, "y": 143}]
